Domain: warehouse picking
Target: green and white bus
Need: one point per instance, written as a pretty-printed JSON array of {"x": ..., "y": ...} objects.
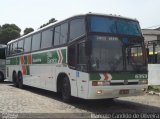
[{"x": 90, "y": 56}]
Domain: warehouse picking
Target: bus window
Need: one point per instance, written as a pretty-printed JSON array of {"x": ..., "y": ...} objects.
[
  {"x": 20, "y": 47},
  {"x": 63, "y": 33},
  {"x": 77, "y": 28},
  {"x": 56, "y": 35},
  {"x": 8, "y": 50},
  {"x": 72, "y": 56},
  {"x": 27, "y": 44},
  {"x": 36, "y": 42},
  {"x": 11, "y": 49},
  {"x": 15, "y": 48},
  {"x": 47, "y": 37}
]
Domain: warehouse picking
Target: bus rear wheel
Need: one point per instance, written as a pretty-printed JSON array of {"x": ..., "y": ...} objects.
[
  {"x": 14, "y": 79},
  {"x": 1, "y": 77},
  {"x": 66, "y": 90},
  {"x": 20, "y": 80}
]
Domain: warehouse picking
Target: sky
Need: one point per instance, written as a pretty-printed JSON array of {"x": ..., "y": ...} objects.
[{"x": 34, "y": 13}]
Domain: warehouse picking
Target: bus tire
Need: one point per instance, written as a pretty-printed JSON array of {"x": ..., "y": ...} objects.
[
  {"x": 14, "y": 79},
  {"x": 1, "y": 77},
  {"x": 66, "y": 90},
  {"x": 20, "y": 80}
]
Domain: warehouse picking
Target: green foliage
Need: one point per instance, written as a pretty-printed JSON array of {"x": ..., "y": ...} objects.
[
  {"x": 9, "y": 32},
  {"x": 49, "y": 22},
  {"x": 28, "y": 30}
]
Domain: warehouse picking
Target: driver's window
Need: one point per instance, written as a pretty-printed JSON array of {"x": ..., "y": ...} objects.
[{"x": 82, "y": 57}]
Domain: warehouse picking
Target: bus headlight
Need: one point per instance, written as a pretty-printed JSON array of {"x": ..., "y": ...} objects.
[
  {"x": 100, "y": 83},
  {"x": 143, "y": 81}
]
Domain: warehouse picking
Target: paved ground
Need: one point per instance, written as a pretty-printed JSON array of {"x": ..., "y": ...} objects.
[{"x": 32, "y": 100}]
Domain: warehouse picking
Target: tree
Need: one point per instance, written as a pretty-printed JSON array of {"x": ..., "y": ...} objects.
[
  {"x": 28, "y": 30},
  {"x": 9, "y": 32},
  {"x": 49, "y": 22}
]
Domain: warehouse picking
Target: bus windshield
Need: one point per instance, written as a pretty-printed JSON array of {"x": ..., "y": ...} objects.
[
  {"x": 114, "y": 26},
  {"x": 110, "y": 53}
]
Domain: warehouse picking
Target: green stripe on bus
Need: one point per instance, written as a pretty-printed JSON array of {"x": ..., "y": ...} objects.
[
  {"x": 40, "y": 58},
  {"x": 13, "y": 61},
  {"x": 117, "y": 76},
  {"x": 64, "y": 56}
]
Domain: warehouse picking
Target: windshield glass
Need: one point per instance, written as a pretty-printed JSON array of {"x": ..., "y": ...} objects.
[
  {"x": 110, "y": 53},
  {"x": 114, "y": 26}
]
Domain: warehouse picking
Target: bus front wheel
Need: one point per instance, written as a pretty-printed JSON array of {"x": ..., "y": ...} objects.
[
  {"x": 66, "y": 90},
  {"x": 1, "y": 77}
]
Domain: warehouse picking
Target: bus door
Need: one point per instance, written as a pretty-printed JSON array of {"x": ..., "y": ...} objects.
[{"x": 72, "y": 59}]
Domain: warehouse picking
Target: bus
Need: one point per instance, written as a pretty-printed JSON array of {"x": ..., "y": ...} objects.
[
  {"x": 2, "y": 62},
  {"x": 89, "y": 56}
]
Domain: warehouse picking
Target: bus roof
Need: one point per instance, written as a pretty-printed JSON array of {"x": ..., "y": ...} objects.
[{"x": 80, "y": 15}]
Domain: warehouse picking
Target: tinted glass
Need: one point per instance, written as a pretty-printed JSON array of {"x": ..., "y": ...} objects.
[
  {"x": 20, "y": 46},
  {"x": 102, "y": 24},
  {"x": 114, "y": 26},
  {"x": 2, "y": 53},
  {"x": 8, "y": 50},
  {"x": 56, "y": 35},
  {"x": 36, "y": 42},
  {"x": 128, "y": 27},
  {"x": 15, "y": 48},
  {"x": 63, "y": 33},
  {"x": 47, "y": 37},
  {"x": 82, "y": 57},
  {"x": 77, "y": 28},
  {"x": 27, "y": 44},
  {"x": 72, "y": 56}
]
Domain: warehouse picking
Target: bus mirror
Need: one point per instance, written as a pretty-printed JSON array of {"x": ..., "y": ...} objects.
[{"x": 88, "y": 47}]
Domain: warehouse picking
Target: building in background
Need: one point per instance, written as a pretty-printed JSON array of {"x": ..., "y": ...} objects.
[{"x": 152, "y": 41}]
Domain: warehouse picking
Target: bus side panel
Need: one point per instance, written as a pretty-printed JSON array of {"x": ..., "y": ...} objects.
[{"x": 82, "y": 84}]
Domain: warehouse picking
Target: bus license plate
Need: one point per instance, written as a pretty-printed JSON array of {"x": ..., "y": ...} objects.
[{"x": 124, "y": 92}]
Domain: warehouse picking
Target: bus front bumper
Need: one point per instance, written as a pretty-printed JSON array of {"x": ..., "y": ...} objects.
[{"x": 104, "y": 92}]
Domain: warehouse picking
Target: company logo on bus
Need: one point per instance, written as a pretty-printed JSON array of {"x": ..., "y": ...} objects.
[{"x": 141, "y": 76}]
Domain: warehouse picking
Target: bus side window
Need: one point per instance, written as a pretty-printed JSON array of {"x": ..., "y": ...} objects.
[
  {"x": 61, "y": 34},
  {"x": 47, "y": 37},
  {"x": 56, "y": 35},
  {"x": 8, "y": 50},
  {"x": 36, "y": 39},
  {"x": 11, "y": 49},
  {"x": 72, "y": 56},
  {"x": 15, "y": 48},
  {"x": 20, "y": 48},
  {"x": 77, "y": 28},
  {"x": 27, "y": 44}
]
